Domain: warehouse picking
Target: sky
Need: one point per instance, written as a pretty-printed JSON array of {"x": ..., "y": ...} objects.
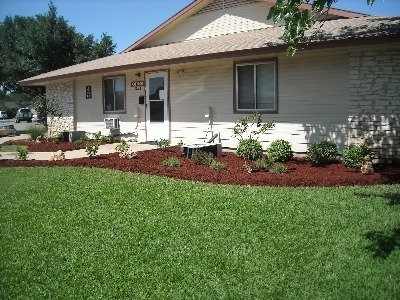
[{"x": 129, "y": 20}]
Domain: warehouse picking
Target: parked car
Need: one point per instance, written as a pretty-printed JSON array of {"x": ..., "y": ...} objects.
[
  {"x": 3, "y": 115},
  {"x": 23, "y": 114}
]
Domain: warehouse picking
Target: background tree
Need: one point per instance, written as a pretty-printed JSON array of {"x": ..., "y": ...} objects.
[
  {"x": 297, "y": 20},
  {"x": 33, "y": 45},
  {"x": 86, "y": 48}
]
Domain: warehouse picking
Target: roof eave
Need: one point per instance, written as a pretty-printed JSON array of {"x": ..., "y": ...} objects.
[{"x": 229, "y": 54}]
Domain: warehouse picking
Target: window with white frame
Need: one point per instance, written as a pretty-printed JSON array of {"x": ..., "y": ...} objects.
[
  {"x": 256, "y": 87},
  {"x": 114, "y": 94}
]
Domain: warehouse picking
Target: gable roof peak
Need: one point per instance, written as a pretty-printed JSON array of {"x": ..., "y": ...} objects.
[{"x": 197, "y": 5}]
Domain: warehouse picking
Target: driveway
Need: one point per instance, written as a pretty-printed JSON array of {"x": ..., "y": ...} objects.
[
  {"x": 20, "y": 127},
  {"x": 23, "y": 126}
]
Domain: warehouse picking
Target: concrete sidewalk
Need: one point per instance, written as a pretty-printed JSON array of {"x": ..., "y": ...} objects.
[{"x": 103, "y": 149}]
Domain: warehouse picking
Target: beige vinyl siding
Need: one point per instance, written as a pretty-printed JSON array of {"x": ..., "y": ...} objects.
[
  {"x": 313, "y": 96},
  {"x": 231, "y": 19},
  {"x": 192, "y": 92},
  {"x": 313, "y": 101},
  {"x": 89, "y": 112}
]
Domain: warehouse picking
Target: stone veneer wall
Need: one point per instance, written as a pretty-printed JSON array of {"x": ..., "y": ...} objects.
[
  {"x": 63, "y": 94},
  {"x": 375, "y": 102}
]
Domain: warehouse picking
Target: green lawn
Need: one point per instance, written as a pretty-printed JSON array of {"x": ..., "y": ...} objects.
[
  {"x": 11, "y": 148},
  {"x": 72, "y": 233}
]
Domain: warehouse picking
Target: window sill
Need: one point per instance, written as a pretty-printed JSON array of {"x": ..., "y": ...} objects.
[
  {"x": 115, "y": 112},
  {"x": 252, "y": 111}
]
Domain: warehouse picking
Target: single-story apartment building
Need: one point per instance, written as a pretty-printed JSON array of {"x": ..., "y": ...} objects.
[{"x": 218, "y": 60}]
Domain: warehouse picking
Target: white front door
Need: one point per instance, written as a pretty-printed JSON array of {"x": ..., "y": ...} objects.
[{"x": 157, "y": 115}]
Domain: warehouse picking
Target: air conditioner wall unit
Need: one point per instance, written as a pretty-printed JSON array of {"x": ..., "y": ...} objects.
[{"x": 111, "y": 123}]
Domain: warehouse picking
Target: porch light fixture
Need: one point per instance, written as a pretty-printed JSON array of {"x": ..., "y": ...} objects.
[{"x": 137, "y": 74}]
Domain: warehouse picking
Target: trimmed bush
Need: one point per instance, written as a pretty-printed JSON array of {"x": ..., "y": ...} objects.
[
  {"x": 107, "y": 139},
  {"x": 83, "y": 140},
  {"x": 122, "y": 147},
  {"x": 92, "y": 149},
  {"x": 163, "y": 144},
  {"x": 202, "y": 158},
  {"x": 217, "y": 166},
  {"x": 36, "y": 133},
  {"x": 353, "y": 156},
  {"x": 125, "y": 151},
  {"x": 22, "y": 153},
  {"x": 262, "y": 163},
  {"x": 249, "y": 149},
  {"x": 278, "y": 168},
  {"x": 322, "y": 152},
  {"x": 171, "y": 162},
  {"x": 280, "y": 150}
]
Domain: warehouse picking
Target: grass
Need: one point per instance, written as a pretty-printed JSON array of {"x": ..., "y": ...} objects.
[
  {"x": 74, "y": 233},
  {"x": 11, "y": 148}
]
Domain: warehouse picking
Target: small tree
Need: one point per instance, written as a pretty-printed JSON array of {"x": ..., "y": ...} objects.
[
  {"x": 92, "y": 148},
  {"x": 47, "y": 107},
  {"x": 247, "y": 130},
  {"x": 246, "y": 123}
]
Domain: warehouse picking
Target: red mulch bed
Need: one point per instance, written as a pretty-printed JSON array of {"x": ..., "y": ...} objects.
[
  {"x": 301, "y": 172},
  {"x": 45, "y": 146}
]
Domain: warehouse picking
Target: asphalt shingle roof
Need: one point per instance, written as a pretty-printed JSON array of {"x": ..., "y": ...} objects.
[{"x": 268, "y": 39}]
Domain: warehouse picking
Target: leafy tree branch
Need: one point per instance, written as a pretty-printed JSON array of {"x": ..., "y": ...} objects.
[{"x": 297, "y": 20}]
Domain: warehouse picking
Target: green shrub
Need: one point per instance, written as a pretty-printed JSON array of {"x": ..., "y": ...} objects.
[
  {"x": 92, "y": 149},
  {"x": 246, "y": 130},
  {"x": 107, "y": 139},
  {"x": 262, "y": 163},
  {"x": 217, "y": 166},
  {"x": 322, "y": 152},
  {"x": 125, "y": 151},
  {"x": 172, "y": 162},
  {"x": 97, "y": 136},
  {"x": 57, "y": 139},
  {"x": 249, "y": 149},
  {"x": 122, "y": 147},
  {"x": 278, "y": 168},
  {"x": 84, "y": 138},
  {"x": 36, "y": 133},
  {"x": 250, "y": 166},
  {"x": 280, "y": 150},
  {"x": 202, "y": 158},
  {"x": 353, "y": 156},
  {"x": 22, "y": 153},
  {"x": 163, "y": 144}
]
